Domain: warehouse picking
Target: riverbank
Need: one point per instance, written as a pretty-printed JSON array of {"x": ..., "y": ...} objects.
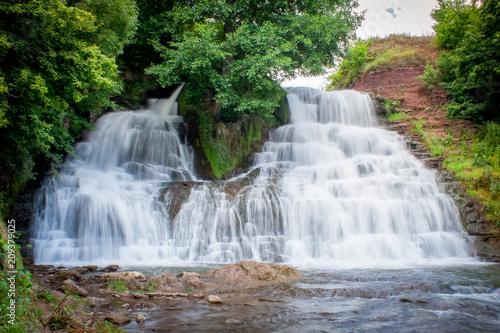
[
  {"x": 253, "y": 296},
  {"x": 81, "y": 299}
]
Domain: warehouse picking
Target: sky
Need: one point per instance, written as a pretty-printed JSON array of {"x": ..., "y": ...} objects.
[{"x": 382, "y": 18}]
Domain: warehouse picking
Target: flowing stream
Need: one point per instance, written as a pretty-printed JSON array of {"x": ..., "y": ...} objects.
[{"x": 330, "y": 193}]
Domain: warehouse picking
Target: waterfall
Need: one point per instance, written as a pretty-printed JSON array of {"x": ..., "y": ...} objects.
[
  {"x": 330, "y": 188},
  {"x": 103, "y": 207}
]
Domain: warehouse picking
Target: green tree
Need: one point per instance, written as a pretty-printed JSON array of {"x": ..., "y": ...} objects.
[
  {"x": 236, "y": 52},
  {"x": 116, "y": 22},
  {"x": 470, "y": 63},
  {"x": 52, "y": 76},
  {"x": 454, "y": 19}
]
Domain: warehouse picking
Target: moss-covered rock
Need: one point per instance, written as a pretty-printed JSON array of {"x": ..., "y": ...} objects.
[{"x": 223, "y": 146}]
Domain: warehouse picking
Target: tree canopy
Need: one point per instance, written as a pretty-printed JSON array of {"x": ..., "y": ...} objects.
[
  {"x": 53, "y": 74},
  {"x": 239, "y": 50},
  {"x": 470, "y": 62}
]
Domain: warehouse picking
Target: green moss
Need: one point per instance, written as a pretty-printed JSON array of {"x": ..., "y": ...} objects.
[
  {"x": 151, "y": 286},
  {"x": 118, "y": 286},
  {"x": 227, "y": 146},
  {"x": 397, "y": 116}
]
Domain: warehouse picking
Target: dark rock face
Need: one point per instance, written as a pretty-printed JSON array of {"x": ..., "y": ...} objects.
[
  {"x": 473, "y": 216},
  {"x": 174, "y": 194}
]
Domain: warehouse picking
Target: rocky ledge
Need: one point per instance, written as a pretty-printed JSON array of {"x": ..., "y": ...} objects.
[{"x": 119, "y": 297}]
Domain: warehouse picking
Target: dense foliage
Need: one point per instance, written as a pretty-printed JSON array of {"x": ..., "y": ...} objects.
[
  {"x": 237, "y": 51},
  {"x": 469, "y": 64},
  {"x": 56, "y": 69}
]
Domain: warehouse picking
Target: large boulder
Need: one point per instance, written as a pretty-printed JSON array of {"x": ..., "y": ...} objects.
[
  {"x": 249, "y": 274},
  {"x": 117, "y": 318},
  {"x": 130, "y": 278},
  {"x": 70, "y": 287},
  {"x": 67, "y": 274},
  {"x": 165, "y": 282}
]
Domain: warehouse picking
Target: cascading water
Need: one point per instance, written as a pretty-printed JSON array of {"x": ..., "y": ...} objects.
[
  {"x": 329, "y": 188},
  {"x": 103, "y": 206}
]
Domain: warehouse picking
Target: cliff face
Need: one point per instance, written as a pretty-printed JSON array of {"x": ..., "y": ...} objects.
[{"x": 403, "y": 88}]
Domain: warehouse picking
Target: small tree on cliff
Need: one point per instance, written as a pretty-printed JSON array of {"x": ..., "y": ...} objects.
[{"x": 235, "y": 52}]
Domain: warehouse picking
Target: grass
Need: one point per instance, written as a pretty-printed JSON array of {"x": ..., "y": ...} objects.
[
  {"x": 389, "y": 53},
  {"x": 118, "y": 286},
  {"x": 151, "y": 286},
  {"x": 397, "y": 116}
]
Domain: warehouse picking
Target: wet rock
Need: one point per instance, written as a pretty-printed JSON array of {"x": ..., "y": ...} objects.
[
  {"x": 165, "y": 282},
  {"x": 184, "y": 274},
  {"x": 165, "y": 294},
  {"x": 248, "y": 274},
  {"x": 96, "y": 301},
  {"x": 116, "y": 318},
  {"x": 44, "y": 267},
  {"x": 176, "y": 194},
  {"x": 57, "y": 294},
  {"x": 418, "y": 301},
  {"x": 125, "y": 306},
  {"x": 92, "y": 268},
  {"x": 81, "y": 270},
  {"x": 67, "y": 274},
  {"x": 70, "y": 287},
  {"x": 270, "y": 300},
  {"x": 137, "y": 295},
  {"x": 132, "y": 283},
  {"x": 106, "y": 291},
  {"x": 140, "y": 318},
  {"x": 27, "y": 261},
  {"x": 192, "y": 283},
  {"x": 136, "y": 275},
  {"x": 110, "y": 268},
  {"x": 212, "y": 299}
]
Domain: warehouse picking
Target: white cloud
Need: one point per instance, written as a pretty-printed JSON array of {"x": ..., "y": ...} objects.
[{"x": 385, "y": 17}]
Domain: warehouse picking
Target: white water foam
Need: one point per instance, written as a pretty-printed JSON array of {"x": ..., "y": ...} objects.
[{"x": 328, "y": 190}]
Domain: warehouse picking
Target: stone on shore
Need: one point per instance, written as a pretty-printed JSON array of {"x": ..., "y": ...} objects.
[
  {"x": 116, "y": 318},
  {"x": 110, "y": 268},
  {"x": 214, "y": 299},
  {"x": 70, "y": 287},
  {"x": 97, "y": 301}
]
